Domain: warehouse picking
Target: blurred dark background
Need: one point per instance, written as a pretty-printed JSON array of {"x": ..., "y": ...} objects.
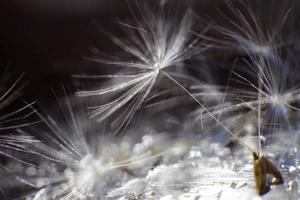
[{"x": 47, "y": 39}]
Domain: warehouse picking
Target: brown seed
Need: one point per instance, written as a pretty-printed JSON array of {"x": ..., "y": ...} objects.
[{"x": 262, "y": 168}]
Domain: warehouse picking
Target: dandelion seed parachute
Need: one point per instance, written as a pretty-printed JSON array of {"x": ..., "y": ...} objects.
[
  {"x": 269, "y": 88},
  {"x": 156, "y": 44},
  {"x": 69, "y": 161},
  {"x": 278, "y": 96},
  {"x": 266, "y": 82}
]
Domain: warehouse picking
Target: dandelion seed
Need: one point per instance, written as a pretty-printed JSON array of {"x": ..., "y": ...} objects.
[
  {"x": 83, "y": 165},
  {"x": 271, "y": 93},
  {"x": 262, "y": 166},
  {"x": 268, "y": 88},
  {"x": 67, "y": 148},
  {"x": 156, "y": 44}
]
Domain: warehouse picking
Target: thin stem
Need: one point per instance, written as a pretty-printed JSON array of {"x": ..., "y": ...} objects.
[
  {"x": 210, "y": 114},
  {"x": 259, "y": 113}
]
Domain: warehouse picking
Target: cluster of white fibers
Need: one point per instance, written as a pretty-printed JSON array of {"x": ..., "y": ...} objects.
[{"x": 156, "y": 43}]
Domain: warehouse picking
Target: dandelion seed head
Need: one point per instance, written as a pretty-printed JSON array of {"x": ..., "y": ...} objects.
[
  {"x": 278, "y": 100},
  {"x": 91, "y": 165},
  {"x": 157, "y": 42},
  {"x": 265, "y": 50},
  {"x": 250, "y": 128},
  {"x": 156, "y": 67}
]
